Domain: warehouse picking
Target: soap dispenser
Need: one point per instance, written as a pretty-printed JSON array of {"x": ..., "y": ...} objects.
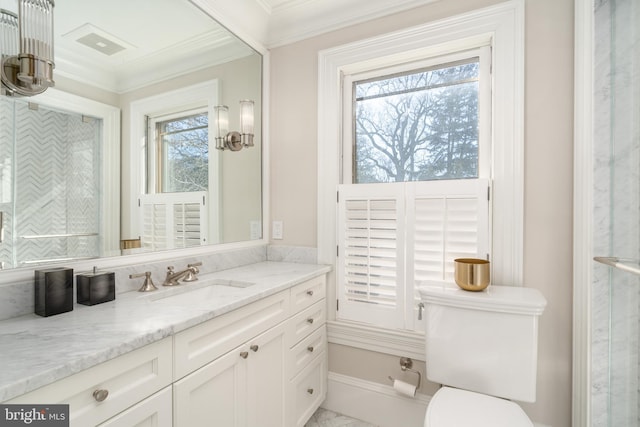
[{"x": 95, "y": 287}]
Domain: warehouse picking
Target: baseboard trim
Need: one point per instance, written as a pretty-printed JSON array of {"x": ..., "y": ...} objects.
[{"x": 375, "y": 403}]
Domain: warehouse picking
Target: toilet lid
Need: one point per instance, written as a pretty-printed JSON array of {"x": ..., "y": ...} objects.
[{"x": 451, "y": 407}]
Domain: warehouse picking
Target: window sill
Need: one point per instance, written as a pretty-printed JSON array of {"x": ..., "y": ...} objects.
[{"x": 387, "y": 341}]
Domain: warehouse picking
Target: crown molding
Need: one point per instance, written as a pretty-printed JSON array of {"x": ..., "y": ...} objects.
[
  {"x": 275, "y": 23},
  {"x": 301, "y": 19}
]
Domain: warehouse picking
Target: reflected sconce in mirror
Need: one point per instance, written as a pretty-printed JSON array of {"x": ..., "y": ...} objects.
[
  {"x": 233, "y": 140},
  {"x": 26, "y": 43}
]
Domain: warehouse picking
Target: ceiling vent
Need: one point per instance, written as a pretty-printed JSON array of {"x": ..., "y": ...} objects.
[
  {"x": 101, "y": 44},
  {"x": 97, "y": 39}
]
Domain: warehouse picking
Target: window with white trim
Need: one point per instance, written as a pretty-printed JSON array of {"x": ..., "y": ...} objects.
[
  {"x": 415, "y": 182},
  {"x": 181, "y": 152}
]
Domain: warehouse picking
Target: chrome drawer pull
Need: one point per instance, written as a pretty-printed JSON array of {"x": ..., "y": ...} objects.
[
  {"x": 310, "y": 321},
  {"x": 310, "y": 293},
  {"x": 244, "y": 354},
  {"x": 310, "y": 349},
  {"x": 310, "y": 390},
  {"x": 254, "y": 348},
  {"x": 100, "y": 395}
]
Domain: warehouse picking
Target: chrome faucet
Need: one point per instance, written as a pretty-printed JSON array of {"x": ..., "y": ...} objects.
[{"x": 186, "y": 275}]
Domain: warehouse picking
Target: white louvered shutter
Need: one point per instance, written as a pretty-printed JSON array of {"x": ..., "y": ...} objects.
[
  {"x": 392, "y": 236},
  {"x": 445, "y": 220},
  {"x": 173, "y": 220},
  {"x": 371, "y": 254}
]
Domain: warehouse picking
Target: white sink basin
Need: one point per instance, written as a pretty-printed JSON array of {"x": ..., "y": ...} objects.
[
  {"x": 205, "y": 289},
  {"x": 231, "y": 282}
]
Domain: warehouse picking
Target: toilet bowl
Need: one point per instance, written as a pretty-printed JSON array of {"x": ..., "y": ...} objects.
[
  {"x": 451, "y": 407},
  {"x": 483, "y": 348}
]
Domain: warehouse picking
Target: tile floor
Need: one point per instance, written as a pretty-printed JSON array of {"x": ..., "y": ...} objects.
[{"x": 325, "y": 418}]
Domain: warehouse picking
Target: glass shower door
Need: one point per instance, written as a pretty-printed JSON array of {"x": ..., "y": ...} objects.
[
  {"x": 50, "y": 188},
  {"x": 616, "y": 379}
]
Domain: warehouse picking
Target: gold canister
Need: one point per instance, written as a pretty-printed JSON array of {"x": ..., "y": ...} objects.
[
  {"x": 130, "y": 243},
  {"x": 471, "y": 274}
]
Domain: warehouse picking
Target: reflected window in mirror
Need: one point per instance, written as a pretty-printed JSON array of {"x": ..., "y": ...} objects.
[{"x": 182, "y": 144}]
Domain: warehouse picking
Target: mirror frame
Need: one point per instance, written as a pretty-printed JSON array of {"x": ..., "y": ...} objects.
[{"x": 25, "y": 274}]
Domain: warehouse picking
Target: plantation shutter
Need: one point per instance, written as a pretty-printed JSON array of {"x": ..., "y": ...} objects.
[
  {"x": 447, "y": 220},
  {"x": 371, "y": 254},
  {"x": 173, "y": 220},
  {"x": 392, "y": 236}
]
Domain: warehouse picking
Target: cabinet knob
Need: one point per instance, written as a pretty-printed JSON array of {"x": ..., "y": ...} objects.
[
  {"x": 244, "y": 354},
  {"x": 310, "y": 390},
  {"x": 310, "y": 349},
  {"x": 100, "y": 395},
  {"x": 254, "y": 347},
  {"x": 310, "y": 293},
  {"x": 310, "y": 320}
]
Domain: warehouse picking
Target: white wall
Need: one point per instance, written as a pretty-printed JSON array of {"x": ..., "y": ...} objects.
[{"x": 548, "y": 176}]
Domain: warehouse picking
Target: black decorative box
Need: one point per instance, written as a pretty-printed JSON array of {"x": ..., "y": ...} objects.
[
  {"x": 53, "y": 291},
  {"x": 95, "y": 288}
]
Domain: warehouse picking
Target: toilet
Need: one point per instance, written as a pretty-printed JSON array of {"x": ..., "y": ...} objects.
[{"x": 483, "y": 348}]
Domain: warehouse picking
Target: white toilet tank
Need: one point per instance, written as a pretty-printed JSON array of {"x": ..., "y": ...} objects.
[{"x": 486, "y": 341}]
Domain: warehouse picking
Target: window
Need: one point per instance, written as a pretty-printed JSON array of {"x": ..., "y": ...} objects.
[
  {"x": 500, "y": 26},
  {"x": 174, "y": 208},
  {"x": 417, "y": 126},
  {"x": 183, "y": 148},
  {"x": 174, "y": 192},
  {"x": 415, "y": 192}
]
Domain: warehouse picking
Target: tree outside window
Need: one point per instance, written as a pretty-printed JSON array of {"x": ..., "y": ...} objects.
[
  {"x": 418, "y": 126},
  {"x": 184, "y": 154}
]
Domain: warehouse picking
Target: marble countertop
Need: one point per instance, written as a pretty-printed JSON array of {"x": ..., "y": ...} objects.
[{"x": 36, "y": 351}]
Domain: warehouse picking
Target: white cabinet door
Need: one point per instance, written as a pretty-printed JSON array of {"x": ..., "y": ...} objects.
[
  {"x": 245, "y": 387},
  {"x": 214, "y": 395},
  {"x": 266, "y": 378},
  {"x": 155, "y": 411}
]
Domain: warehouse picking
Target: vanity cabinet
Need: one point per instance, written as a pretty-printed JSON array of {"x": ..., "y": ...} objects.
[
  {"x": 105, "y": 390},
  {"x": 261, "y": 365},
  {"x": 255, "y": 383}
]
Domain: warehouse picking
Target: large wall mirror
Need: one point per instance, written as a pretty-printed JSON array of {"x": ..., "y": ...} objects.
[{"x": 121, "y": 155}]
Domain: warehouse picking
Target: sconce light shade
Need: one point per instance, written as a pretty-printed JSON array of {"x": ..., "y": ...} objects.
[
  {"x": 232, "y": 140},
  {"x": 27, "y": 48},
  {"x": 246, "y": 122},
  {"x": 9, "y": 37},
  {"x": 222, "y": 120}
]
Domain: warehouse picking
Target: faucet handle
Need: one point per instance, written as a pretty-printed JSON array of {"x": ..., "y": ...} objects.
[
  {"x": 192, "y": 270},
  {"x": 148, "y": 285}
]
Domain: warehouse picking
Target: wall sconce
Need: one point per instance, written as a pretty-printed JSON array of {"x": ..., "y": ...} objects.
[
  {"x": 27, "y": 48},
  {"x": 232, "y": 140}
]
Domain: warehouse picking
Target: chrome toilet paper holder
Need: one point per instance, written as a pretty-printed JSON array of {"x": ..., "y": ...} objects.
[{"x": 406, "y": 364}]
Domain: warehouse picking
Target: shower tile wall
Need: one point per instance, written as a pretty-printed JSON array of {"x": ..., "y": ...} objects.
[
  {"x": 615, "y": 294},
  {"x": 48, "y": 157}
]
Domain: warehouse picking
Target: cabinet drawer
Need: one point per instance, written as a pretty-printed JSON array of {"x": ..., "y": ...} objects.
[
  {"x": 307, "y": 321},
  {"x": 307, "y": 391},
  {"x": 199, "y": 345},
  {"x": 128, "y": 379},
  {"x": 306, "y": 350},
  {"x": 308, "y": 293},
  {"x": 155, "y": 411}
]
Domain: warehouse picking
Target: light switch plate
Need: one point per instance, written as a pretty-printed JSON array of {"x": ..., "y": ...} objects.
[{"x": 276, "y": 230}]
